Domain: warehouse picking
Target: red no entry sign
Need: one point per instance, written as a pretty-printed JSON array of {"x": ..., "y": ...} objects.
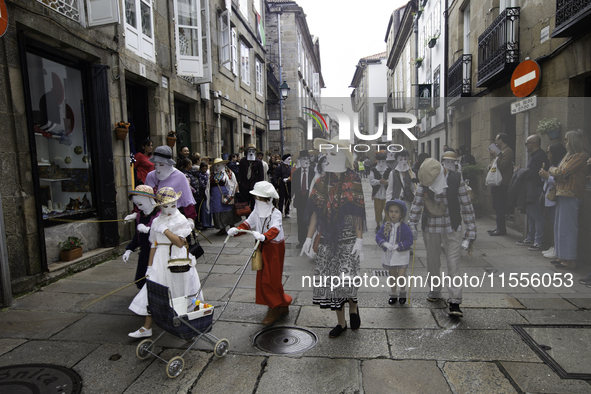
[
  {"x": 525, "y": 78},
  {"x": 3, "y": 18}
]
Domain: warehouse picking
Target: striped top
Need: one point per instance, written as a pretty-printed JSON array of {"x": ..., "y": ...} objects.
[
  {"x": 571, "y": 176},
  {"x": 442, "y": 224}
]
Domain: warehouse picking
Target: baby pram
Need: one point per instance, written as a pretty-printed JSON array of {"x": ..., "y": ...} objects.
[{"x": 171, "y": 315}]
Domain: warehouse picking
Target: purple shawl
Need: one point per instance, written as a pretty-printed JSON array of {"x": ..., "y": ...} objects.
[{"x": 178, "y": 181}]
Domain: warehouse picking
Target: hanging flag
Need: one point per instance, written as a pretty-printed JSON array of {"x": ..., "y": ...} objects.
[{"x": 260, "y": 30}]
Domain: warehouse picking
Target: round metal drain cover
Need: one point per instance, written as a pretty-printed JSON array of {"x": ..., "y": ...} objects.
[
  {"x": 39, "y": 378},
  {"x": 285, "y": 340}
]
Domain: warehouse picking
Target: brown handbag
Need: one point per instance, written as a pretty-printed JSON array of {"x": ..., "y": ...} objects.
[
  {"x": 551, "y": 195},
  {"x": 242, "y": 209}
]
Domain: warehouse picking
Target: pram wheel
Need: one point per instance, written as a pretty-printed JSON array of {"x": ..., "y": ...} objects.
[
  {"x": 175, "y": 366},
  {"x": 143, "y": 349},
  {"x": 221, "y": 347}
]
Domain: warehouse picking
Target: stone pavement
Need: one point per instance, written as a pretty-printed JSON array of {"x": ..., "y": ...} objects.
[{"x": 415, "y": 348}]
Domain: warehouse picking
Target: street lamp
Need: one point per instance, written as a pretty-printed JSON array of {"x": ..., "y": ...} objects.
[{"x": 284, "y": 89}]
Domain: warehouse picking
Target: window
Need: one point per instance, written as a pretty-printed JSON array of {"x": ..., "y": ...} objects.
[
  {"x": 436, "y": 88},
  {"x": 68, "y": 8},
  {"x": 437, "y": 149},
  {"x": 437, "y": 18},
  {"x": 259, "y": 77},
  {"x": 192, "y": 39},
  {"x": 243, "y": 6},
  {"x": 467, "y": 29},
  {"x": 316, "y": 85},
  {"x": 139, "y": 36},
  {"x": 234, "y": 52},
  {"x": 100, "y": 12},
  {"x": 245, "y": 63},
  {"x": 225, "y": 40},
  {"x": 429, "y": 148}
]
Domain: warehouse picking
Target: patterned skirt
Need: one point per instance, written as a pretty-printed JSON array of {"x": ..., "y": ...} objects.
[{"x": 336, "y": 260}]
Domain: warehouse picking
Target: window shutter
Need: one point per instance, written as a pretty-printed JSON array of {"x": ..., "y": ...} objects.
[
  {"x": 234, "y": 52},
  {"x": 205, "y": 43},
  {"x": 316, "y": 85},
  {"x": 188, "y": 39},
  {"x": 225, "y": 40},
  {"x": 102, "y": 12}
]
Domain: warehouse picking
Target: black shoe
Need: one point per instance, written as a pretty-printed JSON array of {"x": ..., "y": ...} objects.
[
  {"x": 402, "y": 299},
  {"x": 491, "y": 231},
  {"x": 496, "y": 233},
  {"x": 454, "y": 310},
  {"x": 433, "y": 297},
  {"x": 377, "y": 229},
  {"x": 355, "y": 320},
  {"x": 337, "y": 331},
  {"x": 392, "y": 300}
]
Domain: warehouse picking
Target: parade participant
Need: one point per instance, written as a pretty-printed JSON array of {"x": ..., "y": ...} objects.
[
  {"x": 395, "y": 239},
  {"x": 165, "y": 175},
  {"x": 142, "y": 161},
  {"x": 144, "y": 199},
  {"x": 378, "y": 179},
  {"x": 167, "y": 237},
  {"x": 222, "y": 187},
  {"x": 446, "y": 201},
  {"x": 337, "y": 209},
  {"x": 266, "y": 226},
  {"x": 391, "y": 160},
  {"x": 282, "y": 181},
  {"x": 250, "y": 171},
  {"x": 203, "y": 205},
  {"x": 450, "y": 161},
  {"x": 300, "y": 190},
  {"x": 400, "y": 182},
  {"x": 261, "y": 157}
]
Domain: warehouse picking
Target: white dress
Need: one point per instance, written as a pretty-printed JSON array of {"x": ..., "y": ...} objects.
[{"x": 180, "y": 284}]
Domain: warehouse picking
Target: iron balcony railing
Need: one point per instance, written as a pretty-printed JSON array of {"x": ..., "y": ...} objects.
[
  {"x": 572, "y": 17},
  {"x": 498, "y": 48},
  {"x": 459, "y": 77}
]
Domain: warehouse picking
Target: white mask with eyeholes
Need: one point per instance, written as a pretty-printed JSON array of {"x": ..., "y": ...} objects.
[
  {"x": 168, "y": 209},
  {"x": 163, "y": 171},
  {"x": 402, "y": 164},
  {"x": 144, "y": 204},
  {"x": 251, "y": 155},
  {"x": 217, "y": 168},
  {"x": 381, "y": 165},
  {"x": 287, "y": 161},
  {"x": 305, "y": 162},
  {"x": 450, "y": 164},
  {"x": 336, "y": 161}
]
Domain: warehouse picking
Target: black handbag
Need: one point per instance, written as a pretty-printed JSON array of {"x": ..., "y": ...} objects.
[{"x": 194, "y": 247}]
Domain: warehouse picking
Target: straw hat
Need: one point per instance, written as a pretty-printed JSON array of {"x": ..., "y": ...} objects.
[
  {"x": 450, "y": 155},
  {"x": 219, "y": 161},
  {"x": 167, "y": 195},
  {"x": 163, "y": 154},
  {"x": 251, "y": 146},
  {"x": 429, "y": 171},
  {"x": 142, "y": 190},
  {"x": 264, "y": 189},
  {"x": 336, "y": 141}
]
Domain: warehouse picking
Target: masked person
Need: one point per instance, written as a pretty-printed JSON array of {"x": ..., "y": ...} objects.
[
  {"x": 222, "y": 188},
  {"x": 446, "y": 203},
  {"x": 250, "y": 171},
  {"x": 300, "y": 190},
  {"x": 378, "y": 179},
  {"x": 144, "y": 199},
  {"x": 336, "y": 208},
  {"x": 451, "y": 162},
  {"x": 282, "y": 181},
  {"x": 400, "y": 183},
  {"x": 165, "y": 175},
  {"x": 391, "y": 160},
  {"x": 167, "y": 237},
  {"x": 266, "y": 226}
]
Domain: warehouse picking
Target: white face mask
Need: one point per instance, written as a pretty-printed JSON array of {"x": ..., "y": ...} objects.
[
  {"x": 391, "y": 156},
  {"x": 217, "y": 168},
  {"x": 251, "y": 155},
  {"x": 145, "y": 204},
  {"x": 168, "y": 209},
  {"x": 335, "y": 161},
  {"x": 402, "y": 164},
  {"x": 440, "y": 183},
  {"x": 287, "y": 160},
  {"x": 304, "y": 162},
  {"x": 262, "y": 208},
  {"x": 449, "y": 164},
  {"x": 163, "y": 171},
  {"x": 381, "y": 166}
]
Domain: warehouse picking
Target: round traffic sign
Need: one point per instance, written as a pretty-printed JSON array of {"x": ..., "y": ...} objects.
[
  {"x": 525, "y": 78},
  {"x": 3, "y": 18}
]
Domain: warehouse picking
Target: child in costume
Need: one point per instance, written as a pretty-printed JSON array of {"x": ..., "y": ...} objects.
[
  {"x": 395, "y": 239},
  {"x": 144, "y": 199},
  {"x": 167, "y": 236},
  {"x": 266, "y": 226}
]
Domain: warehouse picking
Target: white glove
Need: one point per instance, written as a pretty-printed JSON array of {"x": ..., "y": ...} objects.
[
  {"x": 232, "y": 231},
  {"x": 130, "y": 217},
  {"x": 142, "y": 228},
  {"x": 150, "y": 272},
  {"x": 415, "y": 234},
  {"x": 308, "y": 248},
  {"x": 161, "y": 228},
  {"x": 258, "y": 236},
  {"x": 388, "y": 246},
  {"x": 126, "y": 255},
  {"x": 358, "y": 248},
  {"x": 285, "y": 180}
]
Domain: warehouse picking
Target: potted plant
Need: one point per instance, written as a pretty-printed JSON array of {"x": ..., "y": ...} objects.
[
  {"x": 432, "y": 41},
  {"x": 241, "y": 149},
  {"x": 70, "y": 249},
  {"x": 418, "y": 62},
  {"x": 171, "y": 138},
  {"x": 121, "y": 130},
  {"x": 551, "y": 127},
  {"x": 420, "y": 11}
]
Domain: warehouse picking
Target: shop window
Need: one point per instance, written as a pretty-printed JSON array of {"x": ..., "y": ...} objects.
[{"x": 61, "y": 140}]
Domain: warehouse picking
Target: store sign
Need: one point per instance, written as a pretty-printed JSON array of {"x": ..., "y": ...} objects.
[
  {"x": 425, "y": 96},
  {"x": 274, "y": 125},
  {"x": 3, "y": 18},
  {"x": 524, "y": 105}
]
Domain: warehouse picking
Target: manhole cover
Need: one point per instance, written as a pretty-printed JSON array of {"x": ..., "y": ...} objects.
[
  {"x": 39, "y": 378},
  {"x": 285, "y": 340}
]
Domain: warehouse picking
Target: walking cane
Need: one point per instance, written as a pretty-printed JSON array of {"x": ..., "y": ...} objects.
[
  {"x": 412, "y": 268},
  {"x": 131, "y": 168}
]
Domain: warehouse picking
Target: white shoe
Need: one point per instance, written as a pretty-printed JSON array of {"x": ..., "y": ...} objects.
[
  {"x": 141, "y": 333},
  {"x": 551, "y": 250},
  {"x": 287, "y": 215},
  {"x": 550, "y": 253}
]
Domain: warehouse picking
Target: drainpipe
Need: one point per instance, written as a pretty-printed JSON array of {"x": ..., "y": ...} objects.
[
  {"x": 4, "y": 267},
  {"x": 281, "y": 125},
  {"x": 445, "y": 67}
]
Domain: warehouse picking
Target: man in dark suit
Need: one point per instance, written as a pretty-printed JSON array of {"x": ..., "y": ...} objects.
[
  {"x": 282, "y": 181},
  {"x": 301, "y": 183},
  {"x": 250, "y": 171}
]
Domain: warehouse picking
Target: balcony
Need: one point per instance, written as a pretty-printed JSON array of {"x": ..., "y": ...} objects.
[
  {"x": 572, "y": 18},
  {"x": 498, "y": 48},
  {"x": 459, "y": 78},
  {"x": 396, "y": 101}
]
